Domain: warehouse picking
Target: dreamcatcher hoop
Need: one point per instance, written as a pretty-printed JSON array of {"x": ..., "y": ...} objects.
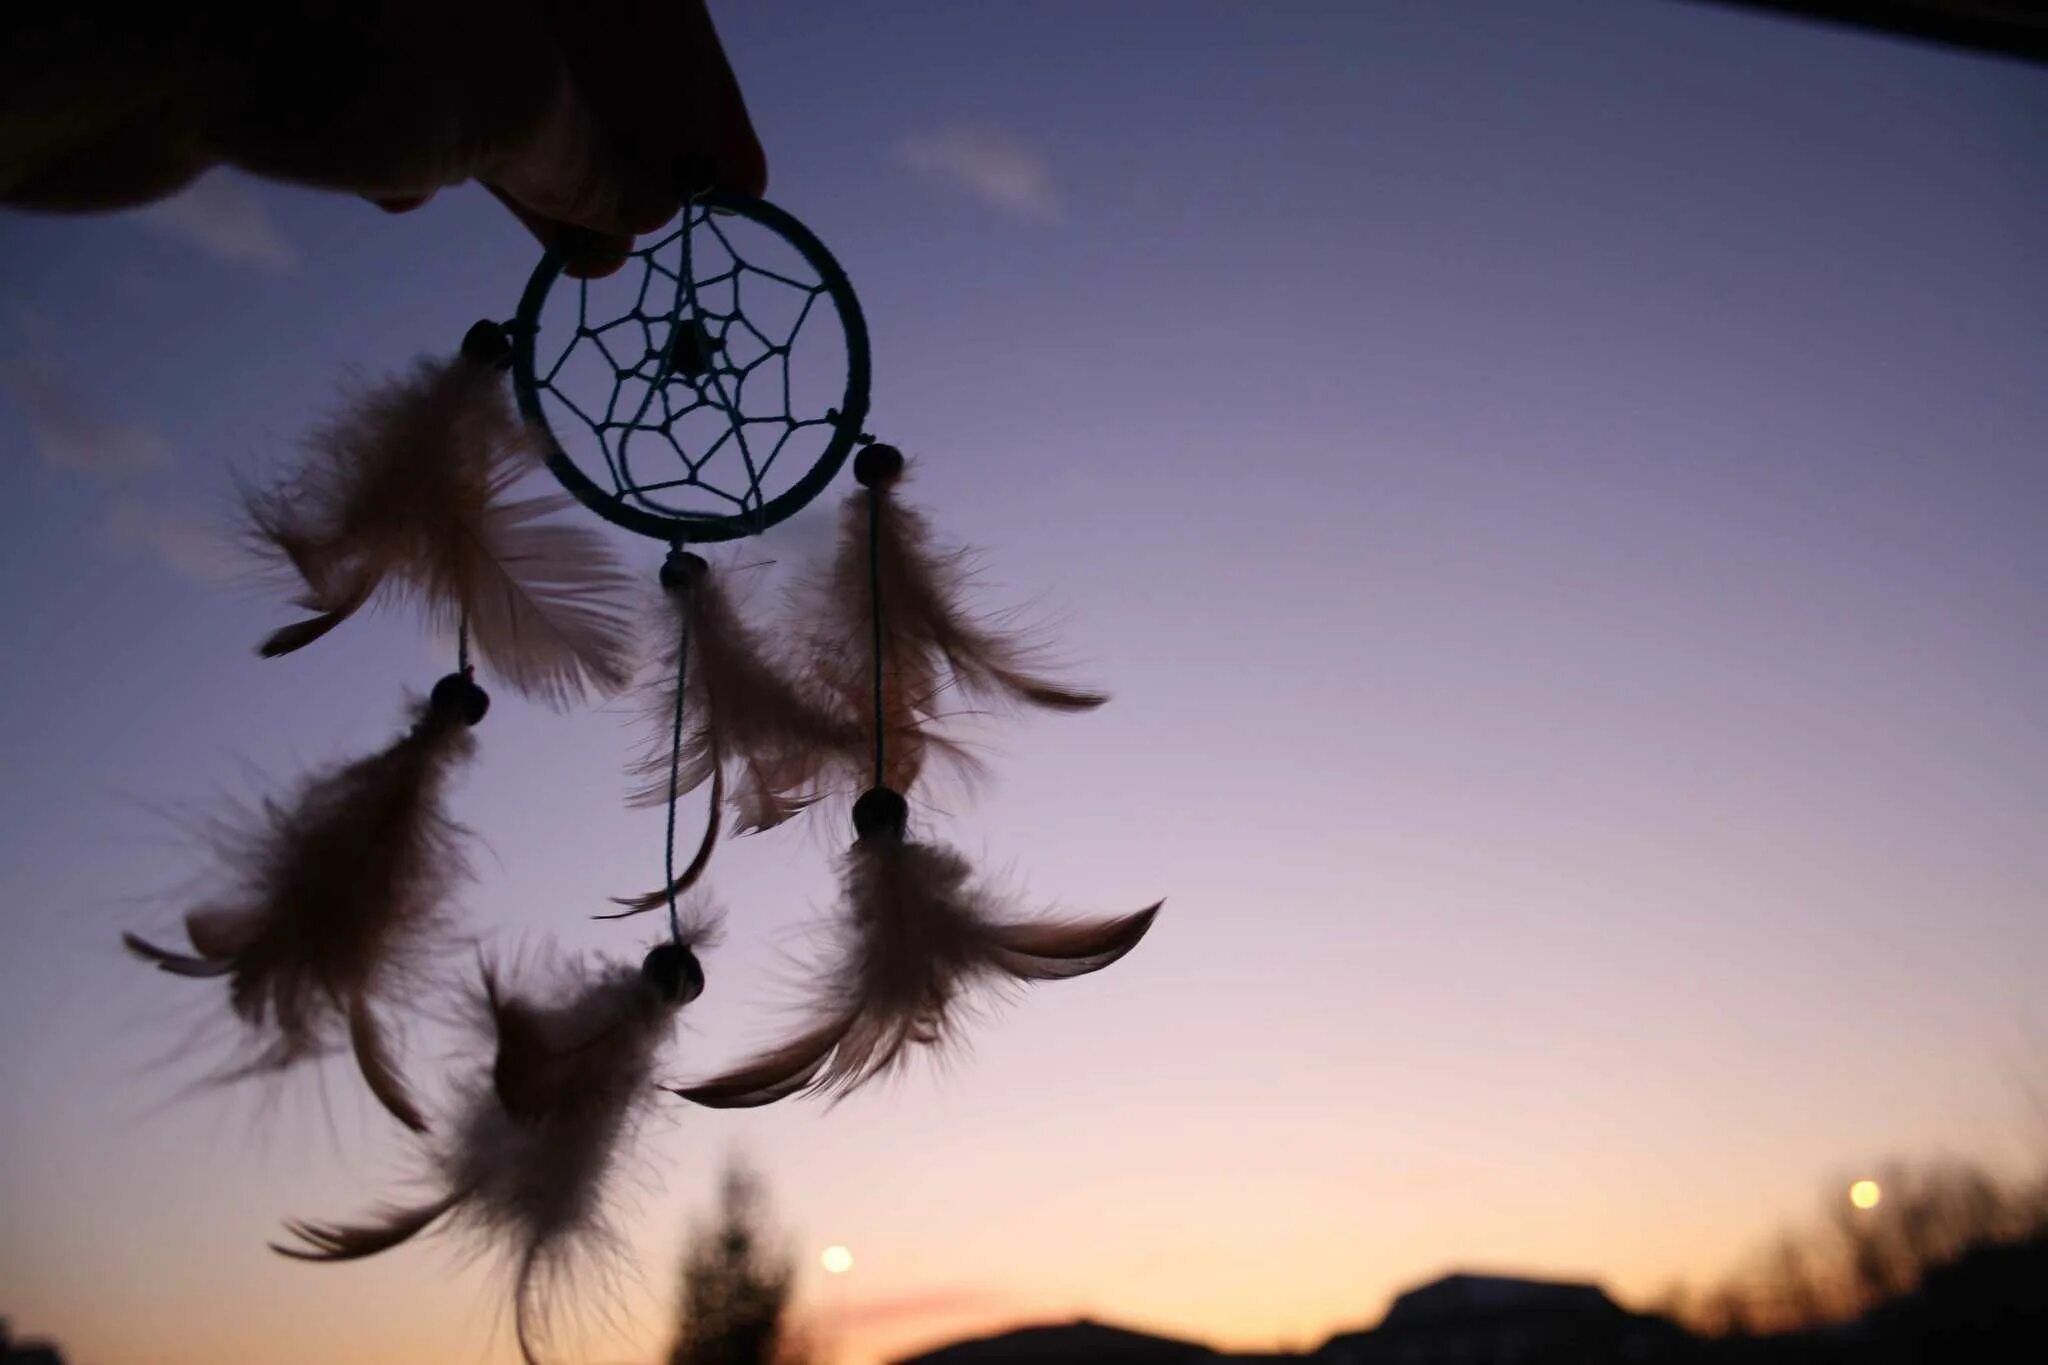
[{"x": 683, "y": 401}]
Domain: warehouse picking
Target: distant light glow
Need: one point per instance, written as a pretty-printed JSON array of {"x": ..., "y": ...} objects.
[
  {"x": 837, "y": 1260},
  {"x": 1864, "y": 1194}
]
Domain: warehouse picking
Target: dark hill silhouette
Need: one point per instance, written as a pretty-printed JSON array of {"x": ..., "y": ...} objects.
[
  {"x": 1989, "y": 1306},
  {"x": 1469, "y": 1296},
  {"x": 1465, "y": 1318},
  {"x": 1483, "y": 1318},
  {"x": 1080, "y": 1340},
  {"x": 14, "y": 1352}
]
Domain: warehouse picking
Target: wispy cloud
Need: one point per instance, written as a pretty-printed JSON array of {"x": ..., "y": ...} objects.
[
  {"x": 120, "y": 459},
  {"x": 986, "y": 163},
  {"x": 223, "y": 215},
  {"x": 70, "y": 436},
  {"x": 174, "y": 534},
  {"x": 916, "y": 1307}
]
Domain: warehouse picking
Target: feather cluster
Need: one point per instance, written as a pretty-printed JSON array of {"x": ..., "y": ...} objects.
[
  {"x": 930, "y": 641},
  {"x": 917, "y": 934},
  {"x": 725, "y": 701},
  {"x": 885, "y": 635},
  {"x": 795, "y": 726},
  {"x": 405, "y": 497},
  {"x": 334, "y": 900},
  {"x": 527, "y": 1167},
  {"x": 742, "y": 707}
]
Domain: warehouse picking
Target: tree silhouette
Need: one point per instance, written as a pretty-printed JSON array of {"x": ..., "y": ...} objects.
[
  {"x": 736, "y": 1285},
  {"x": 1933, "y": 1218}
]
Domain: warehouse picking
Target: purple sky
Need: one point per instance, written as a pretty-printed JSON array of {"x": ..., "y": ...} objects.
[{"x": 1558, "y": 493}]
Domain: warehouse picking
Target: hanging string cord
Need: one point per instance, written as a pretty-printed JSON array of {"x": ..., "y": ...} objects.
[
  {"x": 675, "y": 764},
  {"x": 462, "y": 643},
  {"x": 875, "y": 616}
]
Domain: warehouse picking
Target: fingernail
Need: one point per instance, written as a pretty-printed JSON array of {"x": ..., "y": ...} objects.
[
  {"x": 593, "y": 267},
  {"x": 587, "y": 254}
]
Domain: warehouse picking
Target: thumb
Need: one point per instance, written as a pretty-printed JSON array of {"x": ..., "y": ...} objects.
[{"x": 568, "y": 168}]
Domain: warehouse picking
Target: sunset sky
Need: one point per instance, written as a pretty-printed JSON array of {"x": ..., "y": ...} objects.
[{"x": 1557, "y": 491}]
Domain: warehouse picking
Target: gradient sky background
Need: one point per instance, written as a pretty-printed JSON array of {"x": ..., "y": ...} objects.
[{"x": 1558, "y": 492}]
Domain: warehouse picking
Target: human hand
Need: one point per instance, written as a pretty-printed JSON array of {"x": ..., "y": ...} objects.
[{"x": 592, "y": 120}]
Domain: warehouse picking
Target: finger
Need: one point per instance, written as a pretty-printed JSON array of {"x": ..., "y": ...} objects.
[
  {"x": 449, "y": 94},
  {"x": 399, "y": 203},
  {"x": 668, "y": 97},
  {"x": 585, "y": 255},
  {"x": 569, "y": 167},
  {"x": 738, "y": 160}
]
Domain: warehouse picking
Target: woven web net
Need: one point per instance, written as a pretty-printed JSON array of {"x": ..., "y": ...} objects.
[{"x": 703, "y": 379}]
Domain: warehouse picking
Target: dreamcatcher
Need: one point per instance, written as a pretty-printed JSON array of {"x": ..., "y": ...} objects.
[{"x": 708, "y": 391}]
